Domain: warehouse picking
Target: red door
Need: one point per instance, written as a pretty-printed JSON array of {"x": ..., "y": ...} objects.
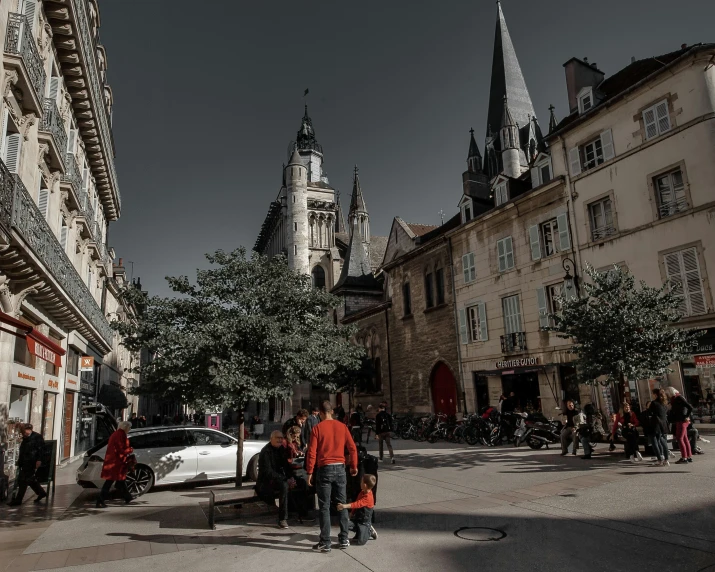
[
  {"x": 444, "y": 390},
  {"x": 67, "y": 425}
]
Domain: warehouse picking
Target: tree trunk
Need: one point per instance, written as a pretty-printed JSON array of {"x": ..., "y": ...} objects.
[
  {"x": 624, "y": 393},
  {"x": 239, "y": 450}
]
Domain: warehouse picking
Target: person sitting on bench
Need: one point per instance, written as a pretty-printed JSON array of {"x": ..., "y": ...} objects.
[{"x": 274, "y": 476}]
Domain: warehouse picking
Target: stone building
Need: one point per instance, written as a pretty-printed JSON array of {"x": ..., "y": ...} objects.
[{"x": 58, "y": 194}]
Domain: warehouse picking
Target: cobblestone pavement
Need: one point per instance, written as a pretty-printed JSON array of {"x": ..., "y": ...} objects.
[{"x": 440, "y": 507}]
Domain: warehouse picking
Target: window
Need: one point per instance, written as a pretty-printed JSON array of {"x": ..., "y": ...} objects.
[
  {"x": 601, "y": 216},
  {"x": 159, "y": 439},
  {"x": 51, "y": 368},
  {"x": 207, "y": 438},
  {"x": 295, "y": 227},
  {"x": 63, "y": 235},
  {"x": 439, "y": 282},
  {"x": 505, "y": 254},
  {"x": 429, "y": 298},
  {"x": 500, "y": 194},
  {"x": 670, "y": 191},
  {"x": 21, "y": 352},
  {"x": 318, "y": 275},
  {"x": 512, "y": 314},
  {"x": 541, "y": 172},
  {"x": 477, "y": 316},
  {"x": 468, "y": 268},
  {"x": 549, "y": 237},
  {"x": 466, "y": 209},
  {"x": 682, "y": 269},
  {"x": 407, "y": 300},
  {"x": 548, "y": 299},
  {"x": 72, "y": 361},
  {"x": 656, "y": 119},
  {"x": 585, "y": 100},
  {"x": 592, "y": 153}
]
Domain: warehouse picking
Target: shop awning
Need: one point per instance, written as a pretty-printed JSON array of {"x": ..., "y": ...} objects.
[
  {"x": 38, "y": 344},
  {"x": 112, "y": 397}
]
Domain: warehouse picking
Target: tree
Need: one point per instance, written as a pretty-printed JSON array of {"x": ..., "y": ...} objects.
[
  {"x": 248, "y": 329},
  {"x": 623, "y": 331}
]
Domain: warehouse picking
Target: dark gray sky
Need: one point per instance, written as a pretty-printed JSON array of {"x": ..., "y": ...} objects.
[{"x": 207, "y": 101}]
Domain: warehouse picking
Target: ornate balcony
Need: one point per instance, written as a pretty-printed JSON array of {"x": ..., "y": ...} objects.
[
  {"x": 514, "y": 342},
  {"x": 21, "y": 53},
  {"x": 52, "y": 130},
  {"x": 19, "y": 213},
  {"x": 72, "y": 179}
]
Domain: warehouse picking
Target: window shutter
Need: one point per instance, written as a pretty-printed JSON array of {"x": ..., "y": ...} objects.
[
  {"x": 562, "y": 222},
  {"x": 12, "y": 153},
  {"x": 501, "y": 256},
  {"x": 535, "y": 242},
  {"x": 3, "y": 132},
  {"x": 63, "y": 236},
  {"x": 535, "y": 181},
  {"x": 509, "y": 252},
  {"x": 29, "y": 8},
  {"x": 71, "y": 141},
  {"x": 472, "y": 267},
  {"x": 543, "y": 308},
  {"x": 607, "y": 145},
  {"x": 675, "y": 280},
  {"x": 54, "y": 88},
  {"x": 465, "y": 267},
  {"x": 574, "y": 162},
  {"x": 661, "y": 113},
  {"x": 483, "y": 330},
  {"x": 649, "y": 122},
  {"x": 693, "y": 282},
  {"x": 463, "y": 326},
  {"x": 44, "y": 202}
]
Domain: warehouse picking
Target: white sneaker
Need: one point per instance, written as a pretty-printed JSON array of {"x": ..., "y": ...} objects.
[
  {"x": 633, "y": 459},
  {"x": 373, "y": 533},
  {"x": 666, "y": 464},
  {"x": 640, "y": 457}
]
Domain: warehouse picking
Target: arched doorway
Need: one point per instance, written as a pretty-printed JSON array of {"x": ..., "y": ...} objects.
[
  {"x": 319, "y": 277},
  {"x": 444, "y": 390}
]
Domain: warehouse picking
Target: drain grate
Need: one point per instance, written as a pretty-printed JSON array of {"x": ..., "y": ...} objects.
[{"x": 479, "y": 534}]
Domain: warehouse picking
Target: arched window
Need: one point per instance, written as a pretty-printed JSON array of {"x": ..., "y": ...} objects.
[
  {"x": 377, "y": 379},
  {"x": 318, "y": 277}
]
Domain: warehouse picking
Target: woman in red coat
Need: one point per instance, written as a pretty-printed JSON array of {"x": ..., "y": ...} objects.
[{"x": 116, "y": 464}]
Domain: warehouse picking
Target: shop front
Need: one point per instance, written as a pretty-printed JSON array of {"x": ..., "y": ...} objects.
[{"x": 699, "y": 377}]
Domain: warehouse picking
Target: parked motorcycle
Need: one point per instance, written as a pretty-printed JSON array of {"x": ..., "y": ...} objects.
[{"x": 538, "y": 431}]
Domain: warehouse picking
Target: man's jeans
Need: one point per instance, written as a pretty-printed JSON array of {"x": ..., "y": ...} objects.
[
  {"x": 569, "y": 434},
  {"x": 330, "y": 481},
  {"x": 587, "y": 449}
]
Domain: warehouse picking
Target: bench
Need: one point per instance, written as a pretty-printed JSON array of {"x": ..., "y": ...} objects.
[{"x": 238, "y": 498}]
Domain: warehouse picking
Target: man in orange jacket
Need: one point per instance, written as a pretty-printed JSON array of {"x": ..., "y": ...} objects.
[{"x": 329, "y": 442}]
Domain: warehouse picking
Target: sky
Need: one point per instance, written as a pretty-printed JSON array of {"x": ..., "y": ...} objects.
[{"x": 206, "y": 102}]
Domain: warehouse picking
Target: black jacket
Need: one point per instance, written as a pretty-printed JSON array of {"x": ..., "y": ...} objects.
[
  {"x": 383, "y": 422},
  {"x": 680, "y": 409},
  {"x": 658, "y": 418},
  {"x": 31, "y": 450},
  {"x": 272, "y": 466},
  {"x": 307, "y": 429},
  {"x": 292, "y": 422}
]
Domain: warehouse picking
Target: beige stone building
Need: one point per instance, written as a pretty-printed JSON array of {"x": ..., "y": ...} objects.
[{"x": 58, "y": 194}]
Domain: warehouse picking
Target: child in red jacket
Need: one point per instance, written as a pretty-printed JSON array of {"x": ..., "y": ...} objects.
[{"x": 361, "y": 512}]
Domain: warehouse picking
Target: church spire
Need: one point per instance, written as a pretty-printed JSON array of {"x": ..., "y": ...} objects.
[
  {"x": 305, "y": 140},
  {"x": 474, "y": 158},
  {"x": 552, "y": 119},
  {"x": 358, "y": 210},
  {"x": 507, "y": 80}
]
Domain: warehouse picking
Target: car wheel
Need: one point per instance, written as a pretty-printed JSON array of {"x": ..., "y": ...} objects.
[
  {"x": 252, "y": 470},
  {"x": 139, "y": 481}
]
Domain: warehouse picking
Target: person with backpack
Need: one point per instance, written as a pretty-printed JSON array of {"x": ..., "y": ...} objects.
[
  {"x": 383, "y": 427},
  {"x": 680, "y": 412},
  {"x": 658, "y": 421}
]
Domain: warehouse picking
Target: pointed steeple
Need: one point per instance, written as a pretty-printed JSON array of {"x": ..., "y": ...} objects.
[
  {"x": 339, "y": 217},
  {"x": 474, "y": 158},
  {"x": 552, "y": 119},
  {"x": 358, "y": 210},
  {"x": 356, "y": 268},
  {"x": 507, "y": 79},
  {"x": 305, "y": 140},
  {"x": 509, "y": 128}
]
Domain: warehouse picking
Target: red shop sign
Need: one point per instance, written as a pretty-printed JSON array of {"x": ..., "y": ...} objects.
[
  {"x": 43, "y": 352},
  {"x": 707, "y": 360}
]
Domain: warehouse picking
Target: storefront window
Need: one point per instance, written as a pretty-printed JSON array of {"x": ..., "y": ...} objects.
[
  {"x": 72, "y": 361},
  {"x": 85, "y": 429},
  {"x": 22, "y": 354},
  {"x": 20, "y": 410},
  {"x": 49, "y": 402}
]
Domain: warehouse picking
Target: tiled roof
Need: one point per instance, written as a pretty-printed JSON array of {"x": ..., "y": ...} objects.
[
  {"x": 378, "y": 245},
  {"x": 420, "y": 229}
]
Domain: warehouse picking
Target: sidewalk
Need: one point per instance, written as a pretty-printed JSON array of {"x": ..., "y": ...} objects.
[{"x": 441, "y": 507}]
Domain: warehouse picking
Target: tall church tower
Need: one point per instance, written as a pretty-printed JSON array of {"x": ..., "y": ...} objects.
[
  {"x": 310, "y": 150},
  {"x": 296, "y": 177}
]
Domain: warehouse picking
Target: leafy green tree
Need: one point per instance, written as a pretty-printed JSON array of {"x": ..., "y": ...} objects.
[
  {"x": 622, "y": 330},
  {"x": 248, "y": 329}
]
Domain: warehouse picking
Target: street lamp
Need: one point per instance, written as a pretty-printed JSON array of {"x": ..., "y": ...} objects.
[{"x": 570, "y": 282}]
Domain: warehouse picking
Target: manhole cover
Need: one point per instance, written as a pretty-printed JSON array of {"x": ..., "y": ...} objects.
[{"x": 479, "y": 534}]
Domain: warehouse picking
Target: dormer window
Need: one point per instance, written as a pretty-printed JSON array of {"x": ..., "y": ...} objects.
[
  {"x": 541, "y": 172},
  {"x": 585, "y": 100},
  {"x": 466, "y": 210},
  {"x": 500, "y": 194}
]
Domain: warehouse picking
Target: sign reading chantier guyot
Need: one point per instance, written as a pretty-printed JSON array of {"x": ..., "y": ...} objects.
[{"x": 706, "y": 360}]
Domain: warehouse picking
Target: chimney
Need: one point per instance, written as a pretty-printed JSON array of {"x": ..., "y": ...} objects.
[
  {"x": 633, "y": 59},
  {"x": 580, "y": 74},
  {"x": 683, "y": 46},
  {"x": 121, "y": 262}
]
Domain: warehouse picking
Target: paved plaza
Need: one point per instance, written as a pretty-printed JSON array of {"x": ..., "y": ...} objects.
[{"x": 441, "y": 507}]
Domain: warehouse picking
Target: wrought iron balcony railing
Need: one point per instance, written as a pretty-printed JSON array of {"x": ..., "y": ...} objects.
[
  {"x": 514, "y": 342},
  {"x": 603, "y": 232},
  {"x": 72, "y": 174},
  {"x": 19, "y": 211},
  {"x": 673, "y": 207},
  {"x": 19, "y": 41},
  {"x": 52, "y": 124}
]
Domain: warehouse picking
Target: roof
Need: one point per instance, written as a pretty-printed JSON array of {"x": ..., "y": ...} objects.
[
  {"x": 378, "y": 245},
  {"x": 420, "y": 229},
  {"x": 629, "y": 76},
  {"x": 356, "y": 272},
  {"x": 357, "y": 201},
  {"x": 507, "y": 80}
]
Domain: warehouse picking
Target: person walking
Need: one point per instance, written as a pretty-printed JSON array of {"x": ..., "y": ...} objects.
[
  {"x": 568, "y": 433},
  {"x": 312, "y": 421},
  {"x": 590, "y": 429},
  {"x": 273, "y": 476},
  {"x": 29, "y": 460},
  {"x": 383, "y": 427},
  {"x": 680, "y": 411},
  {"x": 118, "y": 461},
  {"x": 658, "y": 416},
  {"x": 627, "y": 422},
  {"x": 326, "y": 458}
]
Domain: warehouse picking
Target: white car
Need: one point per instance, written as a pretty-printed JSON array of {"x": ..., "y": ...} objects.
[{"x": 171, "y": 455}]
